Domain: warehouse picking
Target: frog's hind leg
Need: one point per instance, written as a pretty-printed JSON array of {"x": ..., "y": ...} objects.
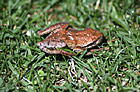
[
  {"x": 58, "y": 26},
  {"x": 90, "y": 51},
  {"x": 65, "y": 53}
]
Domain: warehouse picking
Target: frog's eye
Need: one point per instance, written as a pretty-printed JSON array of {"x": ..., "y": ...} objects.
[
  {"x": 61, "y": 40},
  {"x": 40, "y": 45}
]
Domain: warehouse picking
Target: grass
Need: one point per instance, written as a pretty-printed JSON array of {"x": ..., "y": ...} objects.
[{"x": 24, "y": 67}]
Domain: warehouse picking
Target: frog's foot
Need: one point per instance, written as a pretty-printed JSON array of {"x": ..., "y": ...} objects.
[
  {"x": 78, "y": 49},
  {"x": 93, "y": 50},
  {"x": 58, "y": 26}
]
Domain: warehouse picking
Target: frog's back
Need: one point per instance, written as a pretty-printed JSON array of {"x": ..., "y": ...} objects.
[{"x": 83, "y": 38}]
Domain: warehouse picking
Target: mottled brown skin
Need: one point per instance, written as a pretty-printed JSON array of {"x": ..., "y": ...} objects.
[{"x": 63, "y": 36}]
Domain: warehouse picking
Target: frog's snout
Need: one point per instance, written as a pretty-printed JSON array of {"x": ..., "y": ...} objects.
[{"x": 40, "y": 45}]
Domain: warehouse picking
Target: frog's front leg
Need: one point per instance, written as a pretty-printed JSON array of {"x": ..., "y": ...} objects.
[{"x": 60, "y": 26}]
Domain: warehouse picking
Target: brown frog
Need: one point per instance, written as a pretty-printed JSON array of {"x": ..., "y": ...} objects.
[{"x": 64, "y": 36}]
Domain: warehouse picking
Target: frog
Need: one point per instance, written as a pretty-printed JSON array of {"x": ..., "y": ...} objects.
[{"x": 63, "y": 36}]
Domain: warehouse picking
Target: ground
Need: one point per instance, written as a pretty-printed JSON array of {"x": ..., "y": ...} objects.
[{"x": 24, "y": 67}]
